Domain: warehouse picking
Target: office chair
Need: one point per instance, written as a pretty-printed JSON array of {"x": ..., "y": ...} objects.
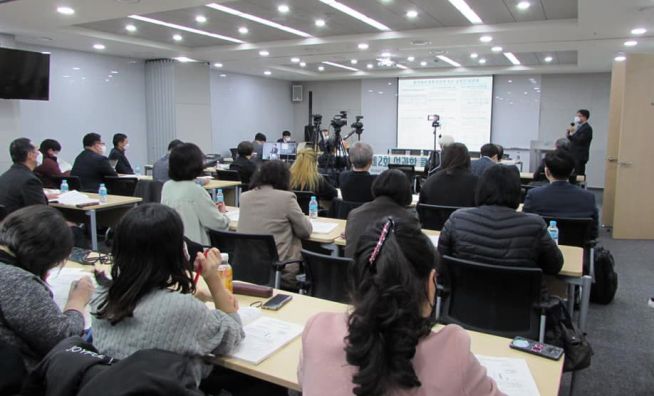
[
  {"x": 124, "y": 186},
  {"x": 326, "y": 277},
  {"x": 234, "y": 153},
  {"x": 433, "y": 217},
  {"x": 340, "y": 208},
  {"x": 73, "y": 182},
  {"x": 228, "y": 175},
  {"x": 577, "y": 232}
]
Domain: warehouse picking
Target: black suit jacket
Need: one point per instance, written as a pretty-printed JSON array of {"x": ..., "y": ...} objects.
[
  {"x": 91, "y": 168},
  {"x": 454, "y": 189},
  {"x": 122, "y": 166},
  {"x": 356, "y": 186},
  {"x": 245, "y": 168},
  {"x": 19, "y": 187},
  {"x": 580, "y": 142},
  {"x": 562, "y": 199}
]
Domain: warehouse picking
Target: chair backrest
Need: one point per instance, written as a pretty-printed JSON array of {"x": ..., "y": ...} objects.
[
  {"x": 403, "y": 168},
  {"x": 303, "y": 199},
  {"x": 3, "y": 212},
  {"x": 493, "y": 299},
  {"x": 327, "y": 276},
  {"x": 573, "y": 231},
  {"x": 73, "y": 182},
  {"x": 340, "y": 208},
  {"x": 230, "y": 175},
  {"x": 124, "y": 186},
  {"x": 251, "y": 256},
  {"x": 233, "y": 152},
  {"x": 433, "y": 217}
]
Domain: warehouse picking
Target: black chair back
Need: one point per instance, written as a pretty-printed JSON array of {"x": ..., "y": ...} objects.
[
  {"x": 252, "y": 256},
  {"x": 234, "y": 153},
  {"x": 340, "y": 209},
  {"x": 303, "y": 199},
  {"x": 73, "y": 182},
  {"x": 3, "y": 212},
  {"x": 573, "y": 231},
  {"x": 124, "y": 186},
  {"x": 493, "y": 299},
  {"x": 524, "y": 189},
  {"x": 326, "y": 276},
  {"x": 229, "y": 175},
  {"x": 433, "y": 217}
]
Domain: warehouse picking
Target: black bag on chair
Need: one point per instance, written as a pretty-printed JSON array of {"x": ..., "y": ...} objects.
[
  {"x": 606, "y": 279},
  {"x": 562, "y": 332}
]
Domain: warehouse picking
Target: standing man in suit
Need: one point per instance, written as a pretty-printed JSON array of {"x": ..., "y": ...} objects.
[
  {"x": 118, "y": 154},
  {"x": 580, "y": 138},
  {"x": 560, "y": 198},
  {"x": 490, "y": 156},
  {"x": 19, "y": 186},
  {"x": 91, "y": 165}
]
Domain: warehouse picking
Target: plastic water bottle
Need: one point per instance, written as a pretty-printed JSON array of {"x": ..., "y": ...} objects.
[
  {"x": 313, "y": 208},
  {"x": 64, "y": 186},
  {"x": 220, "y": 198},
  {"x": 137, "y": 170},
  {"x": 102, "y": 192},
  {"x": 554, "y": 231}
]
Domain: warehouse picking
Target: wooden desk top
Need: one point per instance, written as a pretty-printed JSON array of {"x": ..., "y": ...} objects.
[
  {"x": 113, "y": 201},
  {"x": 213, "y": 184}
]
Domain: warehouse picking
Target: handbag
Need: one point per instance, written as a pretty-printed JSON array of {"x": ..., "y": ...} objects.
[{"x": 562, "y": 332}]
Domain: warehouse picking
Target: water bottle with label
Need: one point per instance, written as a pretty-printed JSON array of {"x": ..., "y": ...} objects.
[
  {"x": 220, "y": 198},
  {"x": 64, "y": 186},
  {"x": 313, "y": 208},
  {"x": 554, "y": 231},
  {"x": 102, "y": 192},
  {"x": 137, "y": 170}
]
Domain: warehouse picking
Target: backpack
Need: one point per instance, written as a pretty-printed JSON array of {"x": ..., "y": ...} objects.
[{"x": 606, "y": 279}]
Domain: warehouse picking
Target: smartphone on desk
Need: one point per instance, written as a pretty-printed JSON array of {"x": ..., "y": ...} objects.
[
  {"x": 276, "y": 302},
  {"x": 537, "y": 348}
]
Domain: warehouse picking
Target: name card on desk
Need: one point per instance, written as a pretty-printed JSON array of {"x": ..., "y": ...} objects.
[
  {"x": 323, "y": 228},
  {"x": 263, "y": 337},
  {"x": 511, "y": 375}
]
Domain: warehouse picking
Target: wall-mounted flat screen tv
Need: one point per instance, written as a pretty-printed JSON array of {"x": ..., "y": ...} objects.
[{"x": 24, "y": 74}]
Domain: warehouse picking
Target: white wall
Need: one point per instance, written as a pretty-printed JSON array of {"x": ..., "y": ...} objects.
[{"x": 193, "y": 104}]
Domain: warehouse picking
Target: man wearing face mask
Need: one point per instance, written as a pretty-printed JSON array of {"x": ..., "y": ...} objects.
[
  {"x": 19, "y": 186},
  {"x": 286, "y": 138},
  {"x": 580, "y": 137},
  {"x": 91, "y": 165},
  {"x": 118, "y": 154}
]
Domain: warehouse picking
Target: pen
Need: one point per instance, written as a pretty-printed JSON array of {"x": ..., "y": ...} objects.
[{"x": 198, "y": 271}]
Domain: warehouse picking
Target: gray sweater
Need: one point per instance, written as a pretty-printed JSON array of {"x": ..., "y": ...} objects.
[
  {"x": 171, "y": 321},
  {"x": 29, "y": 317}
]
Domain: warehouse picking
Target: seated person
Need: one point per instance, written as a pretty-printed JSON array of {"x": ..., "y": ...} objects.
[
  {"x": 160, "y": 168},
  {"x": 392, "y": 193},
  {"x": 434, "y": 161},
  {"x": 49, "y": 168},
  {"x": 33, "y": 241},
  {"x": 539, "y": 176},
  {"x": 305, "y": 176},
  {"x": 193, "y": 203},
  {"x": 286, "y": 137},
  {"x": 270, "y": 208},
  {"x": 560, "y": 198},
  {"x": 259, "y": 140},
  {"x": 91, "y": 165},
  {"x": 149, "y": 302},
  {"x": 118, "y": 154},
  {"x": 242, "y": 164},
  {"x": 495, "y": 233},
  {"x": 490, "y": 156},
  {"x": 389, "y": 328},
  {"x": 356, "y": 184},
  {"x": 452, "y": 184},
  {"x": 19, "y": 186}
]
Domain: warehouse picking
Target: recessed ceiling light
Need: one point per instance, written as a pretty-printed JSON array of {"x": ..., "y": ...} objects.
[
  {"x": 201, "y": 19},
  {"x": 341, "y": 66},
  {"x": 264, "y": 53},
  {"x": 497, "y": 49},
  {"x": 130, "y": 28},
  {"x": 523, "y": 5},
  {"x": 512, "y": 58},
  {"x": 386, "y": 55},
  {"x": 638, "y": 31},
  {"x": 474, "y": 55},
  {"x": 321, "y": 68},
  {"x": 257, "y": 19},
  {"x": 243, "y": 30},
  {"x": 99, "y": 46},
  {"x": 218, "y": 65},
  {"x": 295, "y": 60},
  {"x": 423, "y": 63},
  {"x": 45, "y": 53},
  {"x": 482, "y": 61},
  {"x": 485, "y": 39},
  {"x": 411, "y": 14},
  {"x": 65, "y": 10},
  {"x": 267, "y": 72},
  {"x": 114, "y": 72},
  {"x": 467, "y": 12},
  {"x": 184, "y": 59},
  {"x": 185, "y": 28},
  {"x": 354, "y": 61},
  {"x": 303, "y": 64},
  {"x": 370, "y": 66},
  {"x": 410, "y": 59},
  {"x": 320, "y": 22},
  {"x": 448, "y": 60},
  {"x": 620, "y": 58},
  {"x": 76, "y": 68},
  {"x": 630, "y": 43},
  {"x": 356, "y": 14},
  {"x": 548, "y": 59},
  {"x": 177, "y": 37},
  {"x": 223, "y": 75},
  {"x": 363, "y": 46},
  {"x": 283, "y": 8},
  {"x": 400, "y": 67}
]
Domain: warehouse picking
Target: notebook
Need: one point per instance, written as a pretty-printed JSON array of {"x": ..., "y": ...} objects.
[
  {"x": 263, "y": 337},
  {"x": 323, "y": 228},
  {"x": 511, "y": 375},
  {"x": 60, "y": 280}
]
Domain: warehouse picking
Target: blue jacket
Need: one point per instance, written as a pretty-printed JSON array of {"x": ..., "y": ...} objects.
[{"x": 477, "y": 167}]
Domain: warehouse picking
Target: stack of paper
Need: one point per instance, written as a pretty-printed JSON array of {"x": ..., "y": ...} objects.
[
  {"x": 75, "y": 198},
  {"x": 320, "y": 227},
  {"x": 511, "y": 375},
  {"x": 249, "y": 315},
  {"x": 263, "y": 337},
  {"x": 232, "y": 214},
  {"x": 60, "y": 280}
]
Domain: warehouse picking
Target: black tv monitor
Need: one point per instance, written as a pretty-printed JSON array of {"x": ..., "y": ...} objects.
[{"x": 24, "y": 75}]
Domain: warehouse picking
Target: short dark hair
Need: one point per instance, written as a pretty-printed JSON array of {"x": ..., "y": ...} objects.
[
  {"x": 499, "y": 185},
  {"x": 186, "y": 162},
  {"x": 174, "y": 143},
  {"x": 584, "y": 113},
  {"x": 49, "y": 144},
  {"x": 90, "y": 139},
  {"x": 260, "y": 137},
  {"x": 272, "y": 173},
  {"x": 560, "y": 163},
  {"x": 245, "y": 148},
  {"x": 489, "y": 150},
  {"x": 38, "y": 236},
  {"x": 455, "y": 156},
  {"x": 19, "y": 148},
  {"x": 148, "y": 255},
  {"x": 119, "y": 138},
  {"x": 500, "y": 151},
  {"x": 286, "y": 133},
  {"x": 394, "y": 184}
]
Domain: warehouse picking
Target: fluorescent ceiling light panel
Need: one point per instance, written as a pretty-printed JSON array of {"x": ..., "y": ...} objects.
[
  {"x": 448, "y": 60},
  {"x": 186, "y": 29},
  {"x": 638, "y": 31},
  {"x": 512, "y": 58},
  {"x": 341, "y": 66},
  {"x": 184, "y": 59},
  {"x": 356, "y": 14},
  {"x": 399, "y": 66},
  {"x": 467, "y": 12},
  {"x": 256, "y": 19}
]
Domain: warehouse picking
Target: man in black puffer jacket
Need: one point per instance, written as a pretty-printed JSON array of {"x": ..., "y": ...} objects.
[{"x": 494, "y": 233}]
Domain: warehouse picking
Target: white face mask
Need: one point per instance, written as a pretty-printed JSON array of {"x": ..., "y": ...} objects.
[
  {"x": 286, "y": 139},
  {"x": 103, "y": 149},
  {"x": 39, "y": 158},
  {"x": 126, "y": 146},
  {"x": 577, "y": 120}
]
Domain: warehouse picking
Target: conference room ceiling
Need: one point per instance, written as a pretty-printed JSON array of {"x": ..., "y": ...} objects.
[{"x": 257, "y": 36}]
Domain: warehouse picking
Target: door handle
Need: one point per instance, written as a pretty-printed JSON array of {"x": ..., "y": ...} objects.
[
  {"x": 612, "y": 159},
  {"x": 624, "y": 163}
]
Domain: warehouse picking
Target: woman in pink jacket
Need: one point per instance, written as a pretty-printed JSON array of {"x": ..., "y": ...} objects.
[{"x": 385, "y": 345}]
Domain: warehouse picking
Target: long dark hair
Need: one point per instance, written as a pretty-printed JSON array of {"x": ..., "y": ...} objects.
[
  {"x": 148, "y": 254},
  {"x": 388, "y": 296},
  {"x": 455, "y": 156}
]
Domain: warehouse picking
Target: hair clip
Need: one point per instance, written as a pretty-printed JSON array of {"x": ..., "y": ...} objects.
[{"x": 380, "y": 243}]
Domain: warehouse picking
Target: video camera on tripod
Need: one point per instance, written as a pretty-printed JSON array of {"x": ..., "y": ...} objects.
[{"x": 436, "y": 120}]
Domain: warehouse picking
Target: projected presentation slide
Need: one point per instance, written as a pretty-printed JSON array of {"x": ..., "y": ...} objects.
[{"x": 464, "y": 105}]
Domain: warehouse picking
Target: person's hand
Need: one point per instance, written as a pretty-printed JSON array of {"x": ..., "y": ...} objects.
[
  {"x": 221, "y": 207},
  {"x": 208, "y": 264},
  {"x": 80, "y": 294},
  {"x": 51, "y": 195}
]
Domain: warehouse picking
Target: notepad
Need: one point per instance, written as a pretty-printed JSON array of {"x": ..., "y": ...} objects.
[
  {"x": 511, "y": 375},
  {"x": 76, "y": 198},
  {"x": 59, "y": 282},
  {"x": 249, "y": 315},
  {"x": 323, "y": 228},
  {"x": 232, "y": 214},
  {"x": 263, "y": 337}
]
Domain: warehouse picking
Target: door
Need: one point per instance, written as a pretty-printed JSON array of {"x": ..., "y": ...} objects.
[{"x": 615, "y": 120}]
